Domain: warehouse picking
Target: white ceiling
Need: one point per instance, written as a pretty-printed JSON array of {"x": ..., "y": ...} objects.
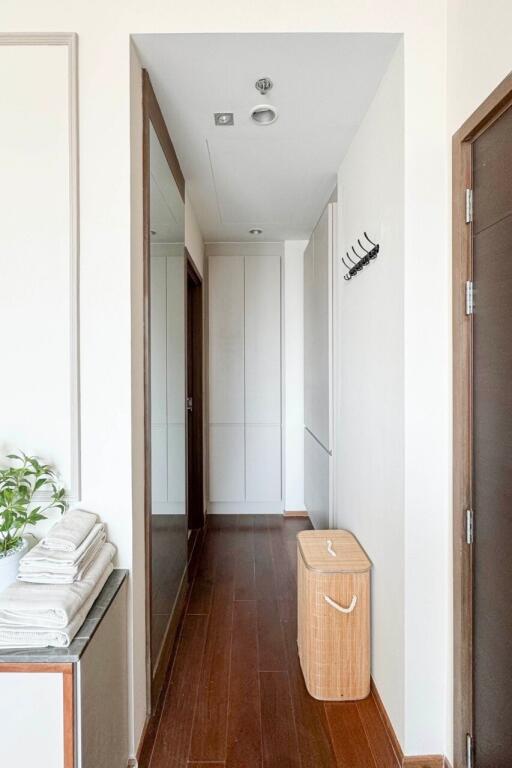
[{"x": 276, "y": 177}]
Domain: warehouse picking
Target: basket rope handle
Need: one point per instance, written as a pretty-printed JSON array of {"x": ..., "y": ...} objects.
[
  {"x": 339, "y": 607},
  {"x": 330, "y": 549}
]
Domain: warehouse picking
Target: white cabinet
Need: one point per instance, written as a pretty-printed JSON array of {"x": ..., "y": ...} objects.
[{"x": 245, "y": 377}]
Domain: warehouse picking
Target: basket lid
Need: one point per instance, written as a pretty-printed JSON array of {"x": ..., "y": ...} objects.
[{"x": 332, "y": 552}]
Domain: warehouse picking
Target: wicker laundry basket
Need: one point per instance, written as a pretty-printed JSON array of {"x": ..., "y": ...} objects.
[{"x": 333, "y": 615}]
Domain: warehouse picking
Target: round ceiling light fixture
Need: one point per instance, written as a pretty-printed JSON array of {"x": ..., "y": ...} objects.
[
  {"x": 264, "y": 114},
  {"x": 255, "y": 231}
]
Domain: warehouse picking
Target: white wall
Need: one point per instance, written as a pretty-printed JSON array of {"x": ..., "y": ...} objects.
[
  {"x": 110, "y": 216},
  {"x": 369, "y": 354},
  {"x": 479, "y": 54},
  {"x": 293, "y": 412}
]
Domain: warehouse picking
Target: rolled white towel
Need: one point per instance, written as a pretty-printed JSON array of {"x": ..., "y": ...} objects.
[
  {"x": 39, "y": 637},
  {"x": 65, "y": 566},
  {"x": 71, "y": 530},
  {"x": 51, "y": 606}
]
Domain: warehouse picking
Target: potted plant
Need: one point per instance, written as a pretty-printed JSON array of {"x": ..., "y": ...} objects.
[{"x": 19, "y": 484}]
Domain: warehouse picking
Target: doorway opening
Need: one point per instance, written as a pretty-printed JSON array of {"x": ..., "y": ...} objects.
[{"x": 195, "y": 460}]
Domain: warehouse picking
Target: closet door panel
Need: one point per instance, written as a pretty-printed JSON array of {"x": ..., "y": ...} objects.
[
  {"x": 226, "y": 372},
  {"x": 263, "y": 339},
  {"x": 227, "y": 454},
  {"x": 158, "y": 340},
  {"x": 309, "y": 370},
  {"x": 317, "y": 362},
  {"x": 176, "y": 477},
  {"x": 263, "y": 462},
  {"x": 176, "y": 335},
  {"x": 159, "y": 463}
]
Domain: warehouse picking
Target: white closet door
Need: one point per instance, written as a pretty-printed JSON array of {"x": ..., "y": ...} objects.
[
  {"x": 227, "y": 460},
  {"x": 318, "y": 330},
  {"x": 176, "y": 441},
  {"x": 263, "y": 462},
  {"x": 263, "y": 376},
  {"x": 226, "y": 296},
  {"x": 263, "y": 339},
  {"x": 158, "y": 379},
  {"x": 226, "y": 372}
]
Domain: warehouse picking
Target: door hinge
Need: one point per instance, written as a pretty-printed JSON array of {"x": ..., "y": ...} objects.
[
  {"x": 469, "y": 526},
  {"x": 469, "y": 206},
  {"x": 189, "y": 403},
  {"x": 469, "y": 751},
  {"x": 470, "y": 299}
]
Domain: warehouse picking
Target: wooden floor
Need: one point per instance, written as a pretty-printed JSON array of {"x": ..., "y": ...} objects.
[{"x": 236, "y": 695}]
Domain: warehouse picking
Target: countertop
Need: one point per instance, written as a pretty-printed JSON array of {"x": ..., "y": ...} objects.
[{"x": 82, "y": 637}]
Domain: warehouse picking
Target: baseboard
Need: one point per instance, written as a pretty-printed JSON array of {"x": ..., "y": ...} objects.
[
  {"x": 397, "y": 749},
  {"x": 406, "y": 761},
  {"x": 298, "y": 513},
  {"x": 245, "y": 508}
]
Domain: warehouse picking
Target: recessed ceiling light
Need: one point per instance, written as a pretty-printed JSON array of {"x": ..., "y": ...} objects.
[
  {"x": 255, "y": 231},
  {"x": 264, "y": 114},
  {"x": 224, "y": 118}
]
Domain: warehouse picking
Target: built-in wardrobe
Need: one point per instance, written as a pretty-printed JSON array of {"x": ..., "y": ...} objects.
[
  {"x": 244, "y": 342},
  {"x": 318, "y": 370}
]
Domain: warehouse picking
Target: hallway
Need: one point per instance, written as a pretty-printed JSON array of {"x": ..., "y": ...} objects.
[{"x": 236, "y": 696}]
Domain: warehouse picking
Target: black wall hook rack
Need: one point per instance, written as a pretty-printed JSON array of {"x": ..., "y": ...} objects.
[{"x": 354, "y": 267}]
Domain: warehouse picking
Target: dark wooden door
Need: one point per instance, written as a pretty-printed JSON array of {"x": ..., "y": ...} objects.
[
  {"x": 195, "y": 495},
  {"x": 492, "y": 445}
]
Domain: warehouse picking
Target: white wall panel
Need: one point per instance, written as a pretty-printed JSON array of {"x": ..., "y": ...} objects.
[
  {"x": 39, "y": 409},
  {"x": 226, "y": 333},
  {"x": 317, "y": 464},
  {"x": 263, "y": 462},
  {"x": 227, "y": 456},
  {"x": 318, "y": 330},
  {"x": 263, "y": 337}
]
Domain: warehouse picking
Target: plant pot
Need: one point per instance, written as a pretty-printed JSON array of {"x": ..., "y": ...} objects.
[{"x": 9, "y": 564}]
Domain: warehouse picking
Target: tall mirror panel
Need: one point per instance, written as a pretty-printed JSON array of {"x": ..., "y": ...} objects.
[{"x": 168, "y": 404}]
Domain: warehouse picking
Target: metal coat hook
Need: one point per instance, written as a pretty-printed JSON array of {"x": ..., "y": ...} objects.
[{"x": 362, "y": 261}]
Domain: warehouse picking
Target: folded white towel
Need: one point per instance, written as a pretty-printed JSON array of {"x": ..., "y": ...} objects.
[
  {"x": 37, "y": 637},
  {"x": 44, "y": 566},
  {"x": 51, "y": 606},
  {"x": 70, "y": 531}
]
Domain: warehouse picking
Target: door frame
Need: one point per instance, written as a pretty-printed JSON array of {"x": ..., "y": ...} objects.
[
  {"x": 462, "y": 263},
  {"x": 195, "y": 472},
  {"x": 152, "y": 115}
]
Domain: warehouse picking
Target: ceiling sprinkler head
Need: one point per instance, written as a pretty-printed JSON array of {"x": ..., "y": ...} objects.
[{"x": 263, "y": 85}]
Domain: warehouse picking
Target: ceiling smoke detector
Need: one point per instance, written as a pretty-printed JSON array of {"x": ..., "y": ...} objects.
[
  {"x": 263, "y": 85},
  {"x": 224, "y": 118},
  {"x": 264, "y": 114},
  {"x": 255, "y": 231}
]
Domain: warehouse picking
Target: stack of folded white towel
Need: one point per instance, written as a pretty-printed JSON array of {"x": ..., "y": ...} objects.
[{"x": 58, "y": 581}]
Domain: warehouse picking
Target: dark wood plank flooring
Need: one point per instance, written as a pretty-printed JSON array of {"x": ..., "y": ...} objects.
[{"x": 236, "y": 697}]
